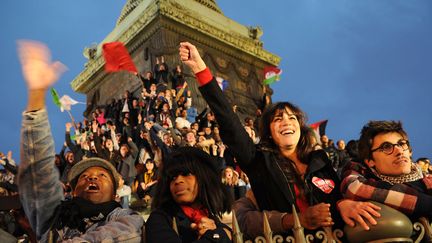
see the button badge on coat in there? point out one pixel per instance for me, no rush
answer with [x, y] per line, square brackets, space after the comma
[325, 185]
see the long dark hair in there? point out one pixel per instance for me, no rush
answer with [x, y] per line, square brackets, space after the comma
[212, 194]
[305, 144]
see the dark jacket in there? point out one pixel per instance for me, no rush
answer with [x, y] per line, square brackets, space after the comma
[267, 180]
[159, 228]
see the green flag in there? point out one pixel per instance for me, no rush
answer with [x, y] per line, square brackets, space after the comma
[55, 97]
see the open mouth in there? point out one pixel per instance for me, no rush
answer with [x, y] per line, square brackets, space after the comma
[92, 187]
[287, 132]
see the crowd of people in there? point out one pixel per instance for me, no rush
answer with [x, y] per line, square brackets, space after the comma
[154, 153]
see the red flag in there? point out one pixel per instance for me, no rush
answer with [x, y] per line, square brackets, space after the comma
[117, 58]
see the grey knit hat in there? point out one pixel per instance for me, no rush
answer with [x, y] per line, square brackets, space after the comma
[84, 164]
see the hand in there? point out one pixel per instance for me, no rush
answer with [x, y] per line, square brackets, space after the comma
[190, 56]
[121, 183]
[68, 126]
[355, 211]
[148, 125]
[38, 71]
[204, 225]
[169, 122]
[222, 146]
[9, 155]
[143, 185]
[316, 216]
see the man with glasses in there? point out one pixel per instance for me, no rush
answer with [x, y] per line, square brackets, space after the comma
[387, 174]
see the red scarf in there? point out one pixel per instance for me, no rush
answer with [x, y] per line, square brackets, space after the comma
[301, 201]
[194, 214]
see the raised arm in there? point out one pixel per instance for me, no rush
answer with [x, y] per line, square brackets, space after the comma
[134, 149]
[39, 184]
[232, 132]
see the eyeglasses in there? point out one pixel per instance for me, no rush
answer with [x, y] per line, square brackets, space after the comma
[388, 148]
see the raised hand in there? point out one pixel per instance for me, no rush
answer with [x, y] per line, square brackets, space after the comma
[190, 56]
[38, 70]
[9, 155]
[139, 118]
[169, 122]
[68, 126]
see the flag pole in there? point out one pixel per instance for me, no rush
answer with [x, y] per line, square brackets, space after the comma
[72, 118]
[141, 98]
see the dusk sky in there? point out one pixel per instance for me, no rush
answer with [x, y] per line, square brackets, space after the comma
[345, 61]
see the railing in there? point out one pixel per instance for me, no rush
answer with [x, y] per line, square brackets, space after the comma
[421, 230]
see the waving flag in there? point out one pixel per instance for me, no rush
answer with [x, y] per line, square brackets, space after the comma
[117, 58]
[66, 103]
[319, 128]
[55, 97]
[223, 84]
[271, 75]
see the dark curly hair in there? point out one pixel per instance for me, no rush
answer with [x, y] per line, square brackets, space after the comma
[374, 128]
[212, 194]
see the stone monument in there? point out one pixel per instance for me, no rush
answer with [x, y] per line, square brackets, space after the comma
[154, 28]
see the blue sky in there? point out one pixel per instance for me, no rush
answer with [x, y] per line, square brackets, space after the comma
[346, 61]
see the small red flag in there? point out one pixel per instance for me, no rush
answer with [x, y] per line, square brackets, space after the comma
[117, 58]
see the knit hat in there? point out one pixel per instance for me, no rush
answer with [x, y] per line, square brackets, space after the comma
[84, 164]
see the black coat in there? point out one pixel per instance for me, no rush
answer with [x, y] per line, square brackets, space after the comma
[268, 182]
[159, 228]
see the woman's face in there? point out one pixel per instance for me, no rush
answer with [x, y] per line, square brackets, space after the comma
[285, 129]
[184, 189]
[228, 173]
[195, 126]
[149, 166]
[108, 144]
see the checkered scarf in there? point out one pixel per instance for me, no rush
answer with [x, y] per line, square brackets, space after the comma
[414, 175]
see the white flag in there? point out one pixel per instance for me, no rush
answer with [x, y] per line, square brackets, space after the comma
[66, 102]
